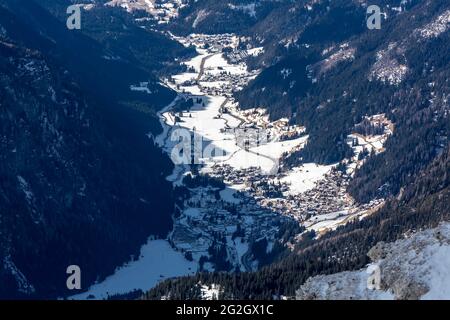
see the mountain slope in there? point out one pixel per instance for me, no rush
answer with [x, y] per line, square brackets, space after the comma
[81, 183]
[412, 268]
[330, 84]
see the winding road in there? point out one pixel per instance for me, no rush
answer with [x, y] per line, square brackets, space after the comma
[202, 67]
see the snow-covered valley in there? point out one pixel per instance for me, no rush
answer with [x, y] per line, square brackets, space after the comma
[215, 228]
[236, 150]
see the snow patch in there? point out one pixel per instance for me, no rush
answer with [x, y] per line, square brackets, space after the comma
[157, 261]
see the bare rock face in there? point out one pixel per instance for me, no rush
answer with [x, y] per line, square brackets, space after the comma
[348, 285]
[414, 268]
[377, 252]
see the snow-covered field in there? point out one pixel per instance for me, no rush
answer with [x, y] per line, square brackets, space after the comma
[216, 64]
[368, 143]
[327, 221]
[157, 261]
[304, 178]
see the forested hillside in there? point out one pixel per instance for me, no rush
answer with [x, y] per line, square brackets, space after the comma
[212, 16]
[83, 171]
[81, 183]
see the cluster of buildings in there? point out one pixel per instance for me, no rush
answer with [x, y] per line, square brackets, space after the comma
[253, 204]
[325, 206]
[229, 82]
[327, 196]
[209, 220]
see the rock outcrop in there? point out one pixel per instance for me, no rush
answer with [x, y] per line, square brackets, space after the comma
[417, 267]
